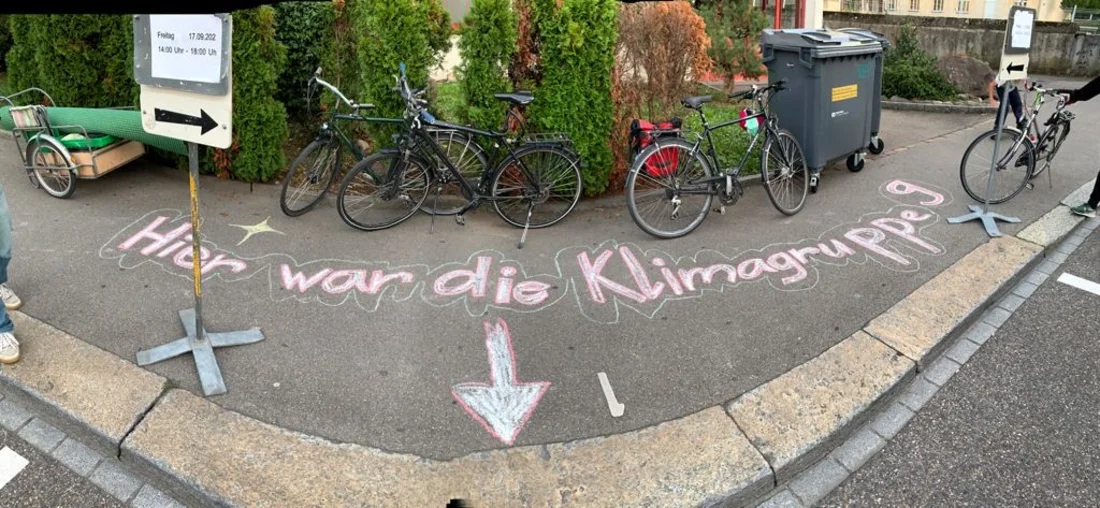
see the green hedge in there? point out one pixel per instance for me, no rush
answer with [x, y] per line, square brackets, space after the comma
[415, 32]
[577, 42]
[5, 40]
[910, 72]
[487, 44]
[339, 63]
[259, 119]
[304, 28]
[80, 60]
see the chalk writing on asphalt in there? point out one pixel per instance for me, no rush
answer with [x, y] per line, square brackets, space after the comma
[601, 281]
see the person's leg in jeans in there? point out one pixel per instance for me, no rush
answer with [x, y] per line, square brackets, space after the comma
[1014, 102]
[9, 347]
[1088, 209]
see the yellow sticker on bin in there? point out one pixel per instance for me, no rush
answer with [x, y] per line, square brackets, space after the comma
[843, 93]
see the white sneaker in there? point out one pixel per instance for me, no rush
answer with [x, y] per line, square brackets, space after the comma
[11, 301]
[9, 348]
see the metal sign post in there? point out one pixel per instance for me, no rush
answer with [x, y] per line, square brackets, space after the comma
[183, 63]
[1014, 62]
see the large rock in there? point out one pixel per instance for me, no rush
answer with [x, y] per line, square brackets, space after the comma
[970, 75]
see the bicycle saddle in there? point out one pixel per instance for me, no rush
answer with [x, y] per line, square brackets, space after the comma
[520, 98]
[696, 102]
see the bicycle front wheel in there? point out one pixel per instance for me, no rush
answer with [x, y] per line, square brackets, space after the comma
[310, 176]
[537, 186]
[1015, 163]
[382, 191]
[469, 159]
[784, 173]
[666, 189]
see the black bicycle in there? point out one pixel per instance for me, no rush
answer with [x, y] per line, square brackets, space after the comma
[535, 185]
[314, 172]
[672, 182]
[1024, 159]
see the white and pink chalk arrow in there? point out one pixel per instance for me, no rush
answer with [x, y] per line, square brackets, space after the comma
[504, 405]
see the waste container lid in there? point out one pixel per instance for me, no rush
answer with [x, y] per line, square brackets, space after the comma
[822, 43]
[865, 33]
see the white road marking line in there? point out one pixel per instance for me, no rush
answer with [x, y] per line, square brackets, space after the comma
[616, 408]
[1079, 283]
[11, 464]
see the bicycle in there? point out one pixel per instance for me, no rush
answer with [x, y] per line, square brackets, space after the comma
[314, 171]
[396, 181]
[1017, 167]
[677, 170]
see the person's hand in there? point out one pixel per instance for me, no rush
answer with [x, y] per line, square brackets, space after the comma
[993, 100]
[1066, 96]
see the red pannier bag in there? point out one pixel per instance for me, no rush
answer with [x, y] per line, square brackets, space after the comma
[644, 133]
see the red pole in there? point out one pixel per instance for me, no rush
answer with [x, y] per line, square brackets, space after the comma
[778, 14]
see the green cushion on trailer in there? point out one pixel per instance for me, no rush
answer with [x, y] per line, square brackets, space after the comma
[76, 141]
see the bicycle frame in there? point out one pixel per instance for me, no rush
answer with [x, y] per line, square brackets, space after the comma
[478, 193]
[1031, 126]
[769, 128]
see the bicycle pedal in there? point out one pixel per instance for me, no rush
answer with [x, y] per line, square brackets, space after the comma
[460, 220]
[1030, 186]
[721, 210]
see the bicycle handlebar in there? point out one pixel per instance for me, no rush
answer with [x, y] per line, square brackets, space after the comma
[755, 90]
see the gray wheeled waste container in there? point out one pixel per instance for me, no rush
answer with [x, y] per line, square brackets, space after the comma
[829, 103]
[876, 146]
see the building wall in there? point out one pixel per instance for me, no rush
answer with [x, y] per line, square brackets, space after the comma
[457, 9]
[1057, 48]
[1048, 10]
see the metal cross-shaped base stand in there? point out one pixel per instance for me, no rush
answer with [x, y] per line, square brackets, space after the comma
[198, 342]
[988, 218]
[210, 376]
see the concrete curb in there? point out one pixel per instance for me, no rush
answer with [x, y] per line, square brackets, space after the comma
[727, 456]
[929, 107]
[86, 391]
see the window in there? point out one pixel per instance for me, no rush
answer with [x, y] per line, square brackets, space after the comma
[891, 5]
[964, 6]
[1020, 3]
[937, 5]
[914, 5]
[852, 5]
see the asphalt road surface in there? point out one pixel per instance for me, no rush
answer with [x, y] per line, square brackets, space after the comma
[406, 341]
[32, 479]
[1018, 425]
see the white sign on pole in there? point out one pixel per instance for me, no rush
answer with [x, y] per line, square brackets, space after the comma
[186, 48]
[1015, 54]
[184, 66]
[203, 119]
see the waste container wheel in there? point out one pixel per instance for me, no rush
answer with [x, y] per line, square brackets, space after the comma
[852, 166]
[877, 146]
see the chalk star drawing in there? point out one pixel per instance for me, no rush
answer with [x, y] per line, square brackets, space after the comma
[256, 229]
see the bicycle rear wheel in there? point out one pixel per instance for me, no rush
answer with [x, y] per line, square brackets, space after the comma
[542, 180]
[310, 176]
[382, 191]
[468, 158]
[1013, 170]
[784, 173]
[661, 190]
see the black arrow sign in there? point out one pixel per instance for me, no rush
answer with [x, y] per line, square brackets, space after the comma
[204, 121]
[1014, 68]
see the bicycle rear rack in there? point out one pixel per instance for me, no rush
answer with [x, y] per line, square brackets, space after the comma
[548, 137]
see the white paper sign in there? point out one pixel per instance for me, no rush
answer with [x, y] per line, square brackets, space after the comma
[186, 47]
[1021, 29]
